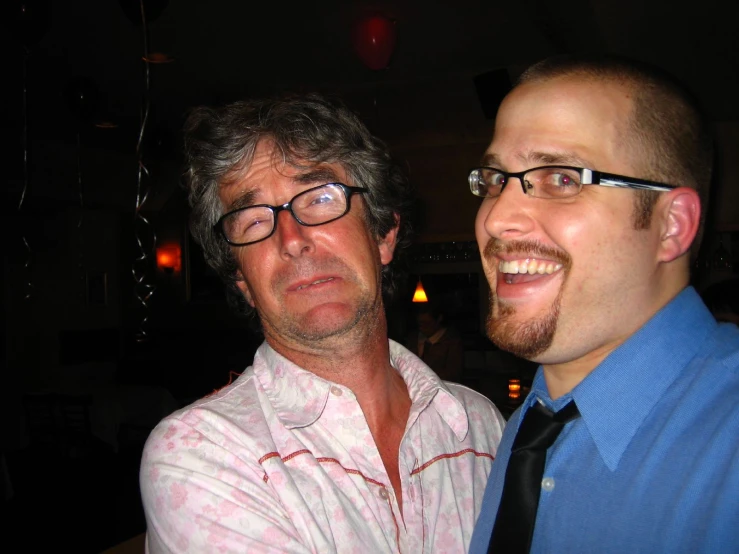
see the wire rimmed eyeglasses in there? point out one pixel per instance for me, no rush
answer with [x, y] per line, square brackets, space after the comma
[553, 181]
[315, 206]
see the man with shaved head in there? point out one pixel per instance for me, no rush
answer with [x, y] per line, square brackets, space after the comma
[592, 192]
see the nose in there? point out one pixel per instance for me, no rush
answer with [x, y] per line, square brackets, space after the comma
[508, 216]
[293, 238]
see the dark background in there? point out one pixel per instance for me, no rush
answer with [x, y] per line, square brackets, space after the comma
[79, 238]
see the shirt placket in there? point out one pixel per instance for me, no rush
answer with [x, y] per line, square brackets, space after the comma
[415, 529]
[376, 478]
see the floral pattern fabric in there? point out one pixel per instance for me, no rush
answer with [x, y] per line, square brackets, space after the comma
[284, 461]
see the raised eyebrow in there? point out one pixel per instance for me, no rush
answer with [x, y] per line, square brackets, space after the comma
[317, 176]
[556, 158]
[490, 160]
[243, 200]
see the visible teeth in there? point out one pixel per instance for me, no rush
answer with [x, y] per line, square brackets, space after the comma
[528, 266]
[316, 283]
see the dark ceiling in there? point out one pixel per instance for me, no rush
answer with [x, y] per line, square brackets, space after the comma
[426, 97]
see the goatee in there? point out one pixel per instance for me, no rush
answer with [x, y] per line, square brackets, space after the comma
[530, 338]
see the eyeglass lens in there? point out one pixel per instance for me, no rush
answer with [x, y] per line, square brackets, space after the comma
[545, 182]
[315, 206]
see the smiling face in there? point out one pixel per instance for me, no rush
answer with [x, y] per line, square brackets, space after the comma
[570, 278]
[308, 284]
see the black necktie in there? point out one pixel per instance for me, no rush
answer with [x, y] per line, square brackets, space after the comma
[514, 524]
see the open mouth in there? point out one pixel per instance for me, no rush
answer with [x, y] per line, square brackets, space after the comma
[526, 270]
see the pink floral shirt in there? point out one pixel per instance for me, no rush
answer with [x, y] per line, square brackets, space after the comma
[283, 461]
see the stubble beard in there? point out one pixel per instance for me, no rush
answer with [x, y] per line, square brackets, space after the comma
[310, 330]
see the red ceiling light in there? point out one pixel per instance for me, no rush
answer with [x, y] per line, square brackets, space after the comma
[374, 41]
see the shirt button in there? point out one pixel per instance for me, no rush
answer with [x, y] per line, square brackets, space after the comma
[547, 484]
[336, 391]
[384, 494]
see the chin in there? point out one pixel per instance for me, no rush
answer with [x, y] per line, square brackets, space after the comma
[527, 338]
[332, 320]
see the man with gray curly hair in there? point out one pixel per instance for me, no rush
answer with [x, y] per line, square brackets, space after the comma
[336, 439]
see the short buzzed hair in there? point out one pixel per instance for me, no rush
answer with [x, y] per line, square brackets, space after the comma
[667, 129]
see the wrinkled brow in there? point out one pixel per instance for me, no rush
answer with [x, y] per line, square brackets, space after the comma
[244, 199]
[315, 177]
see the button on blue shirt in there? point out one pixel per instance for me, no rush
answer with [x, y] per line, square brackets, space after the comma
[652, 465]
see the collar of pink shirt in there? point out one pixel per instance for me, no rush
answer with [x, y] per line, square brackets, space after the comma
[299, 396]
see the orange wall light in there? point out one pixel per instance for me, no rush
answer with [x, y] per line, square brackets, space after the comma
[169, 258]
[514, 388]
[420, 294]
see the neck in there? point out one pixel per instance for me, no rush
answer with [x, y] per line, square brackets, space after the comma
[359, 361]
[363, 365]
[562, 377]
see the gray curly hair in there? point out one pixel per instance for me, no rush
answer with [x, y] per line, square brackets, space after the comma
[307, 129]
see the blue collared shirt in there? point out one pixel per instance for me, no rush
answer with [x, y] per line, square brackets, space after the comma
[653, 463]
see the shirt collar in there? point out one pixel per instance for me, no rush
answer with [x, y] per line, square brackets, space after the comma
[616, 397]
[299, 396]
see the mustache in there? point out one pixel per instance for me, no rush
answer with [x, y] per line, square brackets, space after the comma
[527, 248]
[307, 268]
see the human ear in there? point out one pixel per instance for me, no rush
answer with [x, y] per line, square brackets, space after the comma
[243, 287]
[681, 209]
[387, 243]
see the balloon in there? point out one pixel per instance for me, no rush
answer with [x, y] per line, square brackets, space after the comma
[374, 41]
[82, 97]
[27, 21]
[152, 8]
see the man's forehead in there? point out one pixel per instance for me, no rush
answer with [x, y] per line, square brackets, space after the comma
[560, 121]
[597, 98]
[268, 157]
[254, 180]
[269, 164]
[531, 158]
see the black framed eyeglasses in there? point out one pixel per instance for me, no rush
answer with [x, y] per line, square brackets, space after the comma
[312, 207]
[553, 181]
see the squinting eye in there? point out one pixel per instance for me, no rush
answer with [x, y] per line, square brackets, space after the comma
[254, 222]
[323, 199]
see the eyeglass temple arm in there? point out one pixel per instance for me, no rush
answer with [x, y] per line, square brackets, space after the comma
[590, 177]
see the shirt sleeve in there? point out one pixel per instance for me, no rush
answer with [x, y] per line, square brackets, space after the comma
[199, 497]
